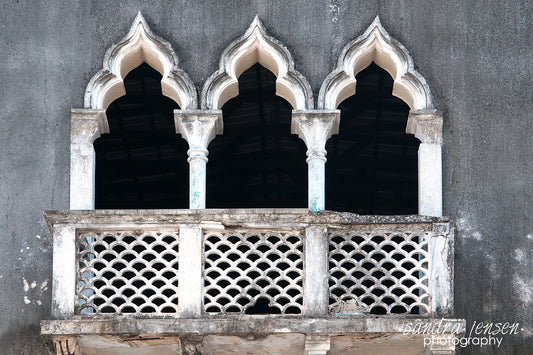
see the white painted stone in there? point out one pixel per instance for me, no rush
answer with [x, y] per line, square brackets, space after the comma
[316, 288]
[256, 46]
[85, 126]
[375, 45]
[429, 180]
[315, 128]
[64, 271]
[138, 46]
[198, 128]
[190, 297]
[317, 344]
[441, 251]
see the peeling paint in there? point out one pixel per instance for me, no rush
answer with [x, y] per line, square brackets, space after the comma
[466, 231]
[34, 291]
[519, 255]
[524, 289]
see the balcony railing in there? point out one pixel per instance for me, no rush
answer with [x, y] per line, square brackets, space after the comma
[226, 263]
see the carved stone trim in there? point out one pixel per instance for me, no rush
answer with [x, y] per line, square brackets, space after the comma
[256, 46]
[138, 46]
[425, 125]
[315, 127]
[375, 45]
[198, 128]
[86, 126]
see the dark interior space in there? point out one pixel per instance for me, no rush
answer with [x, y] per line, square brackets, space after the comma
[257, 162]
[142, 162]
[372, 165]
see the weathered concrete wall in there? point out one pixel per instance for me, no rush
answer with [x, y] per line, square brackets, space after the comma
[476, 57]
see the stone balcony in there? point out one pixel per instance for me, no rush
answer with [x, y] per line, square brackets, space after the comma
[258, 281]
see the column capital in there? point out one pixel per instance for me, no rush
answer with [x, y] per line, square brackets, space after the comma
[86, 125]
[315, 127]
[198, 127]
[426, 125]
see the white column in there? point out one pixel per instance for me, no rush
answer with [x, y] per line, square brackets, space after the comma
[86, 126]
[198, 128]
[430, 179]
[64, 271]
[315, 128]
[427, 127]
[190, 273]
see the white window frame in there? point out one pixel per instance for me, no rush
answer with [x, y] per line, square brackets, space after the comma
[424, 121]
[87, 124]
[314, 126]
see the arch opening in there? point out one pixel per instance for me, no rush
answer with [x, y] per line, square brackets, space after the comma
[372, 163]
[141, 163]
[257, 162]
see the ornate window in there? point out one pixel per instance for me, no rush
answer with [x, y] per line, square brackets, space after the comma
[213, 268]
[139, 46]
[256, 47]
[424, 121]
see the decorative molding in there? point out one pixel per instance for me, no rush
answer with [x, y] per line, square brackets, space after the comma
[256, 46]
[198, 128]
[138, 46]
[86, 125]
[425, 125]
[315, 127]
[425, 122]
[375, 45]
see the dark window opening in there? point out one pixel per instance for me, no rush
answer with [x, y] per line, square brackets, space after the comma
[142, 162]
[372, 165]
[257, 162]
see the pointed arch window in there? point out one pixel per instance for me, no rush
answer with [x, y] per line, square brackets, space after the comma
[141, 163]
[257, 162]
[143, 50]
[375, 45]
[313, 126]
[372, 162]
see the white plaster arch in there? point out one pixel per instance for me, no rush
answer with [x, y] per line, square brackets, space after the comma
[424, 121]
[138, 46]
[375, 45]
[256, 46]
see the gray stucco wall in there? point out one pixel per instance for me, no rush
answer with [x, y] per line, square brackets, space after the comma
[476, 56]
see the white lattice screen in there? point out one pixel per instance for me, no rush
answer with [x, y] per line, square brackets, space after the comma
[383, 272]
[253, 272]
[127, 272]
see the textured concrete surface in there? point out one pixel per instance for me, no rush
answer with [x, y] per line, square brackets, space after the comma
[476, 57]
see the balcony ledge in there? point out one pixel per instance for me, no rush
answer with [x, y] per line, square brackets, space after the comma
[245, 334]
